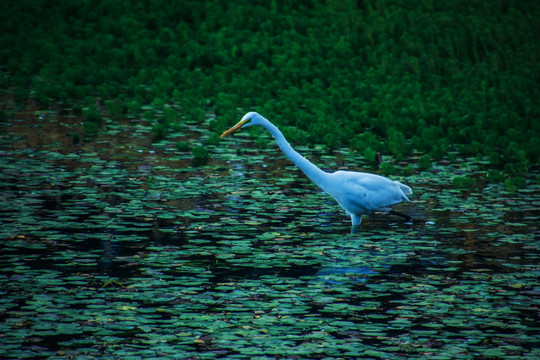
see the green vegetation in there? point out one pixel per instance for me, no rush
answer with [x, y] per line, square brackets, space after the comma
[391, 77]
[200, 156]
[182, 146]
[464, 182]
[91, 124]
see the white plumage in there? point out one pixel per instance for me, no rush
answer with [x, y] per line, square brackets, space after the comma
[357, 192]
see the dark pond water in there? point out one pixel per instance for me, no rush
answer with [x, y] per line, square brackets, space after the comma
[121, 248]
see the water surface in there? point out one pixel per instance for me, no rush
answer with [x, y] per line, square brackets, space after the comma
[117, 247]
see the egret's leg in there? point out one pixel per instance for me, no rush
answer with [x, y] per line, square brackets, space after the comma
[407, 217]
[356, 220]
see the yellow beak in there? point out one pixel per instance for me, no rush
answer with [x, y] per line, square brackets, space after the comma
[234, 128]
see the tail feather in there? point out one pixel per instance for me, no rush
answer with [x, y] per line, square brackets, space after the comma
[404, 189]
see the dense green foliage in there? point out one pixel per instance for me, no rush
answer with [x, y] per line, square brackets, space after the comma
[388, 76]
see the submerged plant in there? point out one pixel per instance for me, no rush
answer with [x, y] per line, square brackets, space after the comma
[159, 132]
[75, 138]
[200, 156]
[424, 163]
[92, 115]
[170, 115]
[515, 183]
[182, 146]
[91, 130]
[117, 109]
[464, 182]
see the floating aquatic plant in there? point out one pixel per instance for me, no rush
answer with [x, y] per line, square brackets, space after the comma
[137, 256]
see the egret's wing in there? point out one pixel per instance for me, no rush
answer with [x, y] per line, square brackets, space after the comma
[364, 192]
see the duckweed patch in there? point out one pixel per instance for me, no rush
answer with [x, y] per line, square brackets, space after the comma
[122, 248]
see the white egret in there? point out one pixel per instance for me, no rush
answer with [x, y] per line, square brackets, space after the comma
[357, 192]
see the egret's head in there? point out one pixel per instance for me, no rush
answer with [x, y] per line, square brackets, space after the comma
[250, 119]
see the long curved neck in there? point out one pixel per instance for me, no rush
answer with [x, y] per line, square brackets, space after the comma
[315, 174]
